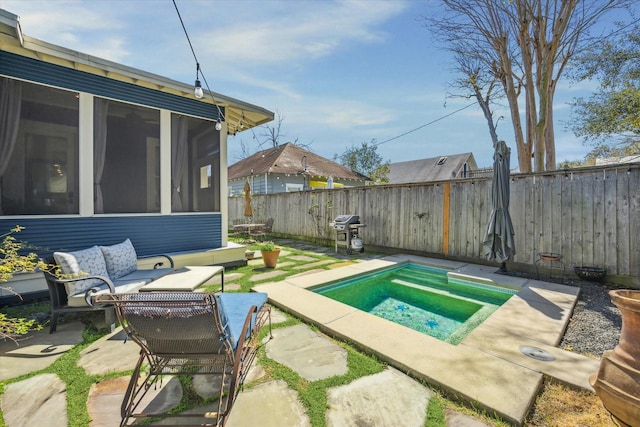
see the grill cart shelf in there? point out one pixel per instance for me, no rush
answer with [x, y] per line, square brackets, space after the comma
[348, 230]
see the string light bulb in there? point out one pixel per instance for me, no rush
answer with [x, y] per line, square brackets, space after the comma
[197, 90]
[218, 125]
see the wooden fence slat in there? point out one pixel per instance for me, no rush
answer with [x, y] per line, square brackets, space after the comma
[634, 224]
[611, 220]
[623, 240]
[553, 202]
[591, 216]
[566, 202]
[576, 221]
[599, 224]
[588, 220]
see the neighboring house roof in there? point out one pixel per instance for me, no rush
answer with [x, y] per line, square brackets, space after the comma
[433, 169]
[291, 159]
[239, 115]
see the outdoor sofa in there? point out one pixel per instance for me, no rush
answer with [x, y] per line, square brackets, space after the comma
[78, 276]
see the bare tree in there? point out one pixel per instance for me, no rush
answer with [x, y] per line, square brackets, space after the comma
[479, 83]
[525, 45]
[270, 135]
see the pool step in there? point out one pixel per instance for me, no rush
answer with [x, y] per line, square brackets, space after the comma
[465, 278]
[426, 277]
[433, 290]
[468, 291]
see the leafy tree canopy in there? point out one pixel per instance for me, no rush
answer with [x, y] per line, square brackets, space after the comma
[365, 159]
[523, 46]
[610, 119]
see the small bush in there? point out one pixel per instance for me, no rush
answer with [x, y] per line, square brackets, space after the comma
[267, 247]
[11, 262]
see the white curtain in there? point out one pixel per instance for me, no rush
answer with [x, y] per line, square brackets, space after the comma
[10, 106]
[179, 133]
[100, 113]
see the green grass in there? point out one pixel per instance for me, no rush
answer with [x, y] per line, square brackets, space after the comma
[293, 267]
[312, 394]
[76, 379]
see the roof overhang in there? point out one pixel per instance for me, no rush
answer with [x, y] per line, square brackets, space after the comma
[239, 115]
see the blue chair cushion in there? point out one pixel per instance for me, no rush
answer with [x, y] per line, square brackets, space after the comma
[233, 311]
[121, 259]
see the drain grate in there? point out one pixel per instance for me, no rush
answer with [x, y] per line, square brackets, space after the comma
[537, 353]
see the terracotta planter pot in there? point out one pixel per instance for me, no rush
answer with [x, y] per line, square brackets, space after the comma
[270, 258]
[628, 349]
[617, 383]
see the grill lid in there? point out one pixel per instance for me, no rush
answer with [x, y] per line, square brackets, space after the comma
[347, 219]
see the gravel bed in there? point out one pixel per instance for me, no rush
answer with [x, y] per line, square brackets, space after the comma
[595, 324]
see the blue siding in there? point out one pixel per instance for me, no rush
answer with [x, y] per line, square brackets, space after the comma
[149, 234]
[68, 78]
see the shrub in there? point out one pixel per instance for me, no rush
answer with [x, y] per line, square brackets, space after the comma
[267, 247]
[12, 262]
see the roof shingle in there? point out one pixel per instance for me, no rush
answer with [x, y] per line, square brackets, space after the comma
[290, 159]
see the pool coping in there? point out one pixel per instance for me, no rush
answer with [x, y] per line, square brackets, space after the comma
[489, 370]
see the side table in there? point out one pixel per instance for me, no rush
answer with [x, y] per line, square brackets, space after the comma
[550, 258]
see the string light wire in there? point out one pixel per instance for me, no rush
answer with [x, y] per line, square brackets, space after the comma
[184, 28]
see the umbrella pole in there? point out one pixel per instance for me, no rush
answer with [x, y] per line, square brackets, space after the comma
[503, 267]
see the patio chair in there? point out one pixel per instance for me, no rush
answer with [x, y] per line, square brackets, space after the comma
[189, 334]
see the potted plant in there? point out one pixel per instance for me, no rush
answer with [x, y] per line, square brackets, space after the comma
[270, 254]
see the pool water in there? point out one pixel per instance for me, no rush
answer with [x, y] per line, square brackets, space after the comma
[422, 298]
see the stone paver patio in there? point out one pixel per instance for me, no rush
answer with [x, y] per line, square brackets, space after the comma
[389, 398]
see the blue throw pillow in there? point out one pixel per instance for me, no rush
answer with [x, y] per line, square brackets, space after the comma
[85, 262]
[121, 259]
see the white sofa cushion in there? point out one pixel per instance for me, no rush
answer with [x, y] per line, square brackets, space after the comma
[132, 286]
[85, 262]
[121, 259]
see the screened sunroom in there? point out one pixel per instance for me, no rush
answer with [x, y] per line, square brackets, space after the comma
[94, 152]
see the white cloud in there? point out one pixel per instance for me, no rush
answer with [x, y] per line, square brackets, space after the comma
[309, 31]
[75, 25]
[339, 114]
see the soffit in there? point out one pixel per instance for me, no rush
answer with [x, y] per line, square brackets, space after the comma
[240, 115]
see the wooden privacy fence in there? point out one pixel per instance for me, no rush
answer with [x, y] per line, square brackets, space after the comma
[591, 216]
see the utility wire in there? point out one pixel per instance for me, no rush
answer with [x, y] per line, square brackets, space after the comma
[426, 124]
[198, 69]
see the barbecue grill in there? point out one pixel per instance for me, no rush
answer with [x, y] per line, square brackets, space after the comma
[347, 228]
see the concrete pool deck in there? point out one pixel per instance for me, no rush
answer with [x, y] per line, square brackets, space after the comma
[487, 368]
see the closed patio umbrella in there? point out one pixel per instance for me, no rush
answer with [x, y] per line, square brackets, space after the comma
[248, 208]
[498, 242]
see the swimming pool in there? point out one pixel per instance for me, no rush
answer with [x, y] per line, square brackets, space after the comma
[422, 298]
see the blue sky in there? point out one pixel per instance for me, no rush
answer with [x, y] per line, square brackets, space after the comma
[339, 73]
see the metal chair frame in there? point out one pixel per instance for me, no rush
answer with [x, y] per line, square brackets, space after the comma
[185, 334]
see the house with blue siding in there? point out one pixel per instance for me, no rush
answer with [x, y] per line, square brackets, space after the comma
[93, 152]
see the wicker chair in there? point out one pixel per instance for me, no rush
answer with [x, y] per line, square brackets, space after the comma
[189, 334]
